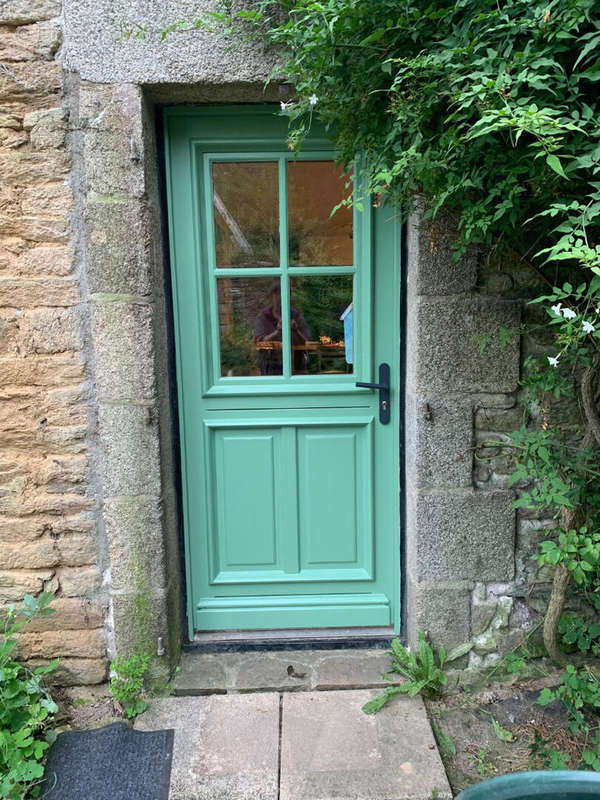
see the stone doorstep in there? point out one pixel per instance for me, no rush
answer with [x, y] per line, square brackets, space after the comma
[283, 671]
[299, 746]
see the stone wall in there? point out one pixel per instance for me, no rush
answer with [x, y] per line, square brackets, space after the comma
[502, 612]
[456, 533]
[470, 571]
[48, 504]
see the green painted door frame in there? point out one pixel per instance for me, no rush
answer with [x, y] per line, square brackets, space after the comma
[290, 482]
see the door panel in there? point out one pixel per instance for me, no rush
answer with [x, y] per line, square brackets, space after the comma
[335, 511]
[245, 499]
[290, 482]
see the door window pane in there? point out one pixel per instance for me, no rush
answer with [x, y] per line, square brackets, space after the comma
[315, 237]
[250, 326]
[245, 204]
[321, 310]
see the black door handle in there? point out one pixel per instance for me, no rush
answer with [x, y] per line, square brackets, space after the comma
[384, 392]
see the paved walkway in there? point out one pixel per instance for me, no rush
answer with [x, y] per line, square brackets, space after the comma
[313, 743]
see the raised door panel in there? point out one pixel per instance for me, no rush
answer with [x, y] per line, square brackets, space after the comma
[245, 499]
[335, 500]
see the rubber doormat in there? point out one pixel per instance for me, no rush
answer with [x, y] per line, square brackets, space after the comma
[111, 763]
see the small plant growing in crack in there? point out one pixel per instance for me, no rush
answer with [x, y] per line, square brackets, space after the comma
[423, 669]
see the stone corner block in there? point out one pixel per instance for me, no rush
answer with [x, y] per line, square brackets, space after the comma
[461, 535]
[139, 620]
[445, 352]
[129, 457]
[443, 610]
[439, 437]
[123, 351]
[134, 533]
[431, 268]
[118, 246]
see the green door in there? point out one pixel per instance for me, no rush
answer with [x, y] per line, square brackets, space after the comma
[290, 478]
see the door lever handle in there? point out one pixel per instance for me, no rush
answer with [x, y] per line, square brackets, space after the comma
[378, 386]
[383, 387]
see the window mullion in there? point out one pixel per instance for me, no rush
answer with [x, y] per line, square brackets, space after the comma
[284, 262]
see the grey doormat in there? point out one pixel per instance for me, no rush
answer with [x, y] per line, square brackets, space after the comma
[111, 763]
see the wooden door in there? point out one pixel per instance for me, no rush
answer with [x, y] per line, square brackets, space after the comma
[290, 478]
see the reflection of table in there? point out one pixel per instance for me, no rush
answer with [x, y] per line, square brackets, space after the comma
[268, 345]
[326, 353]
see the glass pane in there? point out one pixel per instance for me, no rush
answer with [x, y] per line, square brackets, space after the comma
[315, 237]
[250, 326]
[322, 324]
[245, 200]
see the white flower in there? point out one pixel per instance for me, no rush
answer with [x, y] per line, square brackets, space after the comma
[568, 313]
[313, 99]
[552, 361]
[283, 106]
[587, 326]
[556, 308]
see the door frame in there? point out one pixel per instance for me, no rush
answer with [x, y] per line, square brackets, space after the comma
[390, 244]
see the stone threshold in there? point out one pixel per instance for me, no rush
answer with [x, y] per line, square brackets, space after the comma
[290, 670]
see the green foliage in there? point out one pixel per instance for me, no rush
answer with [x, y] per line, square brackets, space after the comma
[516, 661]
[445, 742]
[490, 110]
[482, 762]
[484, 107]
[579, 551]
[579, 692]
[547, 757]
[26, 707]
[423, 669]
[127, 683]
[578, 632]
[501, 733]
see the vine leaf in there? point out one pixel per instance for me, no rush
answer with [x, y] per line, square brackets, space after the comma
[554, 163]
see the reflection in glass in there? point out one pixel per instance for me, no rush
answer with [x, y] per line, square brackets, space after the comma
[250, 326]
[318, 346]
[316, 238]
[245, 201]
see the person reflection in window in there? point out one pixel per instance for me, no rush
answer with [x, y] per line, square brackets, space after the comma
[267, 328]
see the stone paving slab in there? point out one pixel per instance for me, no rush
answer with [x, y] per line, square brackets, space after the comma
[299, 746]
[331, 749]
[226, 747]
[282, 671]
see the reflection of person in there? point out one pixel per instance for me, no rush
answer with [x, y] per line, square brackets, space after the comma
[267, 328]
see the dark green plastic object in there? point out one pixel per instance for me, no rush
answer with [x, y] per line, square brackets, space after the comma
[551, 785]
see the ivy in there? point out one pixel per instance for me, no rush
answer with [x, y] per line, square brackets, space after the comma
[26, 707]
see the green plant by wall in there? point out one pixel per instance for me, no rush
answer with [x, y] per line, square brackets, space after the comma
[127, 683]
[422, 668]
[26, 707]
[579, 692]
